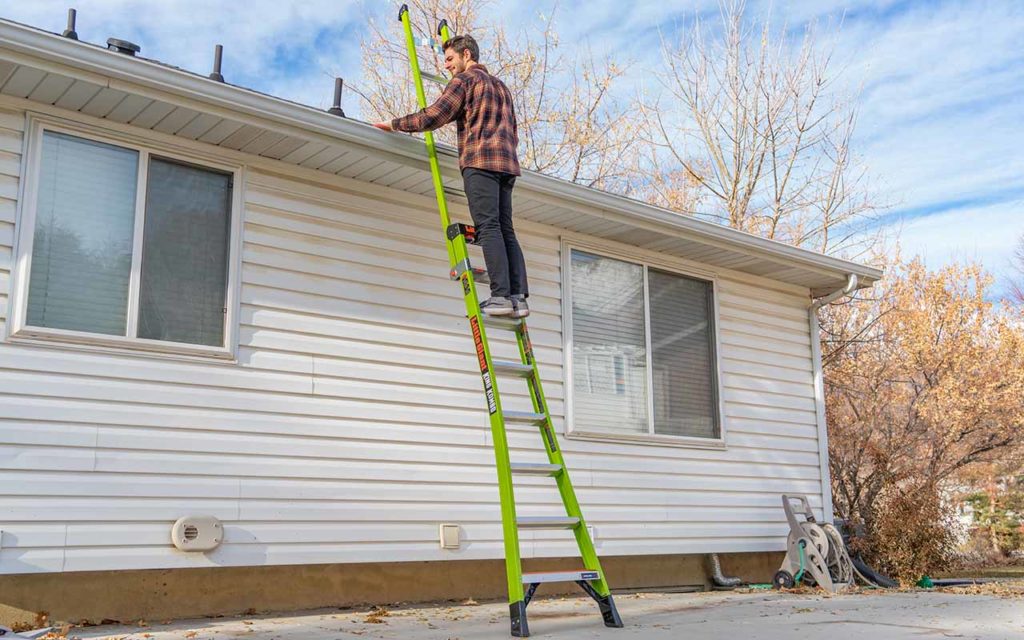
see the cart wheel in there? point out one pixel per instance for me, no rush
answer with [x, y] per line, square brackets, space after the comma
[783, 580]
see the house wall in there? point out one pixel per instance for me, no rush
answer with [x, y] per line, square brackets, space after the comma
[353, 421]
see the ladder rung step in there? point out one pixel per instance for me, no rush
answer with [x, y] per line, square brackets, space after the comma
[500, 322]
[561, 576]
[547, 522]
[510, 368]
[536, 469]
[524, 417]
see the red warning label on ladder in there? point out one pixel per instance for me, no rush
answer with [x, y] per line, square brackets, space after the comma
[485, 373]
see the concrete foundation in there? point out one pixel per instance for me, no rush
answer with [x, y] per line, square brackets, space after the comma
[168, 594]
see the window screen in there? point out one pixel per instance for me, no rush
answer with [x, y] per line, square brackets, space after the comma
[682, 355]
[185, 254]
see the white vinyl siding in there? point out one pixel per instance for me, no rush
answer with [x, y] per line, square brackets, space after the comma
[354, 421]
[11, 125]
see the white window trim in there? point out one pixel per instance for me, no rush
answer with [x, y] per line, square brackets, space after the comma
[645, 260]
[18, 331]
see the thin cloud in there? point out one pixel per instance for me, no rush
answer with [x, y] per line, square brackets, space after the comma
[282, 48]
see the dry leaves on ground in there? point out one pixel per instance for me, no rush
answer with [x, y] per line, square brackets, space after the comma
[377, 615]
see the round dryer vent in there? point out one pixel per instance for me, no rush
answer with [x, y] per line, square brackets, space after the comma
[197, 533]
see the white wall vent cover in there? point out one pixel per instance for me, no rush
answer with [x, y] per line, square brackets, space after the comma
[197, 533]
[450, 538]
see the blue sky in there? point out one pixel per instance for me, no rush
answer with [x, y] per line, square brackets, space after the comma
[941, 124]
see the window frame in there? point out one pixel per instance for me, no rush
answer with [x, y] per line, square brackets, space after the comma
[646, 260]
[17, 328]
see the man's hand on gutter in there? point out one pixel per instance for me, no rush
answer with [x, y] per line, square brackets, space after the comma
[383, 126]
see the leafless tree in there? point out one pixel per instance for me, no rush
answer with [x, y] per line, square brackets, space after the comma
[1017, 279]
[570, 124]
[748, 129]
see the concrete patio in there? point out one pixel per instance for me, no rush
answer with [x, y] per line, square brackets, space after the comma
[983, 613]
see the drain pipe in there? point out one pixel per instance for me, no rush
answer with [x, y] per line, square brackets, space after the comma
[819, 391]
[721, 581]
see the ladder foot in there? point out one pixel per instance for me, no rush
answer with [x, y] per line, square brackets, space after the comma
[517, 613]
[609, 612]
[604, 603]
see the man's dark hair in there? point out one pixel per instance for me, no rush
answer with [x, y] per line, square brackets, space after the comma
[463, 43]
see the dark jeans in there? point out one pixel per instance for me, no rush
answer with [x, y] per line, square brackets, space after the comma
[490, 203]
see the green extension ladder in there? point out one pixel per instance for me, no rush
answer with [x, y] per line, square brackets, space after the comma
[458, 236]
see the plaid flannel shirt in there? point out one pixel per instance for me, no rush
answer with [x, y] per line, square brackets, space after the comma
[481, 105]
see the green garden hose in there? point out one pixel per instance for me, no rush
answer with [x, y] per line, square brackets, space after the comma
[800, 573]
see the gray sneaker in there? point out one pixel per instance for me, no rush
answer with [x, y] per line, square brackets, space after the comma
[494, 306]
[519, 307]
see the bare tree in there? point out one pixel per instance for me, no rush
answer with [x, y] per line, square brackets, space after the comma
[924, 382]
[1017, 279]
[570, 125]
[748, 130]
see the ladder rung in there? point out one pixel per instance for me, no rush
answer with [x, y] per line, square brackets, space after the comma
[510, 368]
[441, 80]
[561, 576]
[502, 322]
[536, 469]
[430, 43]
[527, 417]
[547, 522]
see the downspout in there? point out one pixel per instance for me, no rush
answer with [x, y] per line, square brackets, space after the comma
[720, 580]
[819, 391]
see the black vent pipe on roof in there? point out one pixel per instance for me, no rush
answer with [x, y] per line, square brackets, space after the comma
[218, 53]
[70, 31]
[123, 46]
[336, 109]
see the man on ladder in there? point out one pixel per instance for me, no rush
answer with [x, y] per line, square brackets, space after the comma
[487, 155]
[481, 105]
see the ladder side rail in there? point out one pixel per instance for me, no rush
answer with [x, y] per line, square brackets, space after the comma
[421, 100]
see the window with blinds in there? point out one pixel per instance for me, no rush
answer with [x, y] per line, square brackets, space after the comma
[609, 345]
[184, 254]
[95, 270]
[82, 245]
[643, 350]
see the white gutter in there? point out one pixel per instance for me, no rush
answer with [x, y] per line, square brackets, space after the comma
[819, 391]
[145, 77]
